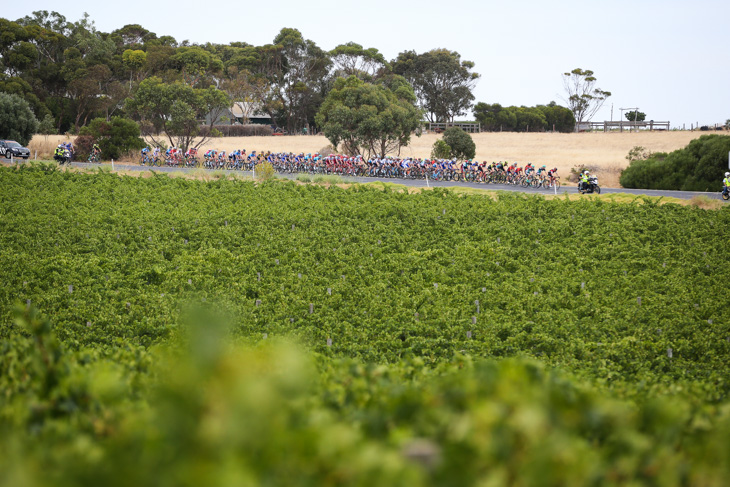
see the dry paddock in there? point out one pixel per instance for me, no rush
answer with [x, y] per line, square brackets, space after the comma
[605, 153]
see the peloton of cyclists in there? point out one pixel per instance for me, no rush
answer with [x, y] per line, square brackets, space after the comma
[376, 165]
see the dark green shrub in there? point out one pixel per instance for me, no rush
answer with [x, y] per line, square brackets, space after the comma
[115, 137]
[461, 143]
[698, 167]
[83, 145]
[17, 121]
[440, 150]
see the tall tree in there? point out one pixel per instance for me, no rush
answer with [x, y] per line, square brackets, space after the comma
[174, 110]
[50, 32]
[134, 60]
[583, 99]
[245, 90]
[17, 53]
[94, 47]
[298, 71]
[86, 92]
[352, 59]
[367, 118]
[442, 81]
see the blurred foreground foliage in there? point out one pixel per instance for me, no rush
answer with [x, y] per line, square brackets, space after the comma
[209, 412]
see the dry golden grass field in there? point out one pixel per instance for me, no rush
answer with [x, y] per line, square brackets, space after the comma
[604, 153]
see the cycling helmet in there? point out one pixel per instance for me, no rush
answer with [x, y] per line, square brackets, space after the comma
[585, 172]
[543, 167]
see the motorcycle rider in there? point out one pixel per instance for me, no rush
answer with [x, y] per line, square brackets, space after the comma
[60, 153]
[726, 183]
[583, 184]
[70, 151]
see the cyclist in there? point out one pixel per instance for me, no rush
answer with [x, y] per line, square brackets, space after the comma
[512, 173]
[222, 159]
[209, 157]
[95, 153]
[144, 154]
[552, 174]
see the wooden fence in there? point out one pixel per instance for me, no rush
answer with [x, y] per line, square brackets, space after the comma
[622, 125]
[465, 126]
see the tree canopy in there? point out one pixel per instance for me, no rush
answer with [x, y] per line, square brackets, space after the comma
[541, 118]
[635, 116]
[583, 97]
[352, 59]
[76, 73]
[174, 109]
[369, 119]
[442, 81]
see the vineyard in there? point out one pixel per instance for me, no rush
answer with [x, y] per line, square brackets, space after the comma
[177, 332]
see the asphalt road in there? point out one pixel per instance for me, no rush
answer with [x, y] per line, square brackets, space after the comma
[419, 183]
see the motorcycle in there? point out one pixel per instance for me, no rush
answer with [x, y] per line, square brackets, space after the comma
[63, 159]
[590, 187]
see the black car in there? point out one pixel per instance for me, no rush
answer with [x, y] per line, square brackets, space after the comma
[10, 147]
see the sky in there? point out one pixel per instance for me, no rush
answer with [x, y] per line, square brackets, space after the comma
[670, 59]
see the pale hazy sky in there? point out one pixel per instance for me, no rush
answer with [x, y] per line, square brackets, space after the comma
[669, 58]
